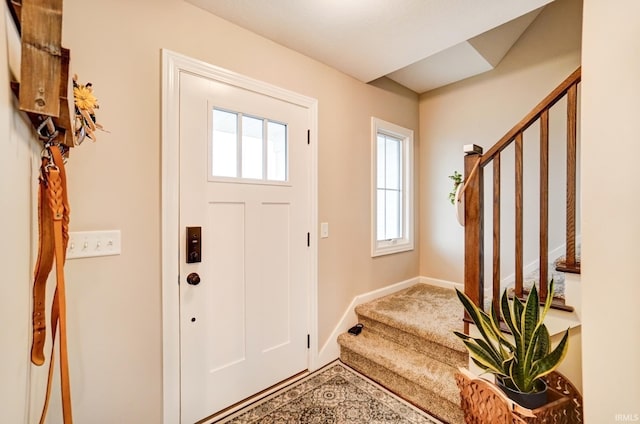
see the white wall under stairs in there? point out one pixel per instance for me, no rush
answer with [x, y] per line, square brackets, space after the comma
[558, 321]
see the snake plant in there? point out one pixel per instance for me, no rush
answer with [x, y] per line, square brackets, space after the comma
[522, 361]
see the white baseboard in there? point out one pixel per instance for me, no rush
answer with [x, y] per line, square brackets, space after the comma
[330, 351]
[442, 283]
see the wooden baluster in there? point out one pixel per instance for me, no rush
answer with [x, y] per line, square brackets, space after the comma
[544, 204]
[474, 209]
[496, 232]
[572, 106]
[519, 215]
[570, 264]
[473, 230]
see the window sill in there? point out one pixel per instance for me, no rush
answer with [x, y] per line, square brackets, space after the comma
[389, 249]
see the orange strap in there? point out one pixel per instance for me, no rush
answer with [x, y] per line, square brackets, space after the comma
[43, 268]
[53, 229]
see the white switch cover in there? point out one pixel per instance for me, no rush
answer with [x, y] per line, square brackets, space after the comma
[324, 229]
[89, 244]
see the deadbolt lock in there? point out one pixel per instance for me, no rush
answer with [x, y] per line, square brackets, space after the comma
[194, 245]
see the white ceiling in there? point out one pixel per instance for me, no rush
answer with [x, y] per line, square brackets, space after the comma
[421, 44]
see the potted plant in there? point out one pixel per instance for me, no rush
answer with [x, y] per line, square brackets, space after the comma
[519, 365]
[455, 196]
[456, 177]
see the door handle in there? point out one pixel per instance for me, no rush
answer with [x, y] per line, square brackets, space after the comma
[193, 279]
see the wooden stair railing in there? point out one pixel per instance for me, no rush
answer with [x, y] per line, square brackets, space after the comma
[474, 164]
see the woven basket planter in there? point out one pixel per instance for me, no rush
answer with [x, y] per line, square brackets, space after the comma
[483, 402]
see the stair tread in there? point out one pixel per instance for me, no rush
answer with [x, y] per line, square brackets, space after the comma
[426, 311]
[418, 368]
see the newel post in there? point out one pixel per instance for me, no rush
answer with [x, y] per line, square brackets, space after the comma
[473, 227]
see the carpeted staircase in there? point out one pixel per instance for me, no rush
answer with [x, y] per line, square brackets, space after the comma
[407, 345]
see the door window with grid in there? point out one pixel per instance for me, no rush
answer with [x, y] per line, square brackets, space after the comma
[247, 147]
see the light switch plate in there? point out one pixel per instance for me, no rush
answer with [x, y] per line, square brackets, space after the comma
[324, 230]
[89, 244]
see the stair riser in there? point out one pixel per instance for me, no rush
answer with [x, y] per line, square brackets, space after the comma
[420, 396]
[434, 350]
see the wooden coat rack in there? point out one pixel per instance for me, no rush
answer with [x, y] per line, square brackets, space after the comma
[43, 90]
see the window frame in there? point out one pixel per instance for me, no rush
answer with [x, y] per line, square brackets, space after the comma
[406, 242]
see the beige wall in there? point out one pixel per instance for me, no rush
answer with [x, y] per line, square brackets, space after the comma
[115, 312]
[480, 110]
[114, 302]
[15, 255]
[610, 231]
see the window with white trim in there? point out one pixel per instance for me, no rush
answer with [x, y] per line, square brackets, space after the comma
[392, 188]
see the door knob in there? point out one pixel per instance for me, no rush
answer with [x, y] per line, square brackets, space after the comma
[193, 279]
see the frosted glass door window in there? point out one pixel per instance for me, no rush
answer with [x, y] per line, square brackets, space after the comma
[224, 145]
[248, 147]
[252, 136]
[276, 151]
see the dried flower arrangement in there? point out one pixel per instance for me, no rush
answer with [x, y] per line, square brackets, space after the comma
[85, 104]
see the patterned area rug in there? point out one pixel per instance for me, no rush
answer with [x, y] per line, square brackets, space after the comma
[332, 395]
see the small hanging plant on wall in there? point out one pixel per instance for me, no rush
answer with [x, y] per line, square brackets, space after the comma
[455, 196]
[85, 104]
[457, 180]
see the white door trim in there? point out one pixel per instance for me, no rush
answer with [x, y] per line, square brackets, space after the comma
[172, 65]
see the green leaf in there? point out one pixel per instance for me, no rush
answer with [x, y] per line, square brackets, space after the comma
[517, 312]
[495, 319]
[495, 324]
[517, 376]
[530, 316]
[462, 335]
[484, 368]
[548, 300]
[497, 356]
[481, 365]
[543, 345]
[480, 318]
[506, 313]
[530, 334]
[540, 340]
[482, 356]
[528, 359]
[551, 361]
[481, 343]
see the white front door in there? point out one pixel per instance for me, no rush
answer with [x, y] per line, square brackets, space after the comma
[245, 180]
